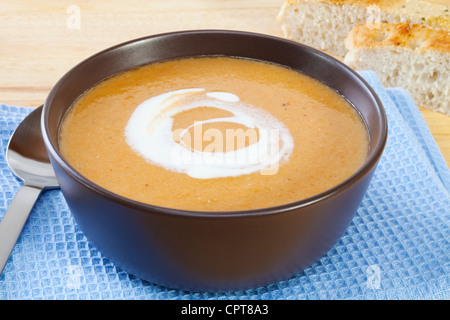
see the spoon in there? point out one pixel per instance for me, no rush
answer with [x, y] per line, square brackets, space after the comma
[28, 160]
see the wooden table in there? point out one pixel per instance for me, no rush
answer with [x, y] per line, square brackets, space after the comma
[41, 40]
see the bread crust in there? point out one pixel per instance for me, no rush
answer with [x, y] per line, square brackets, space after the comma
[432, 14]
[381, 3]
[405, 35]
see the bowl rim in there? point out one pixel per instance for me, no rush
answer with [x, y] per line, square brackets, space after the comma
[365, 168]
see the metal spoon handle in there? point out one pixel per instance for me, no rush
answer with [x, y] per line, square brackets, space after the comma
[14, 219]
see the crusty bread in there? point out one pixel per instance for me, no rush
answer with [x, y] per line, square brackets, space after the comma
[414, 57]
[324, 24]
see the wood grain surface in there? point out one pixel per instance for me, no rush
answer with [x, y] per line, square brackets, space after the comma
[42, 40]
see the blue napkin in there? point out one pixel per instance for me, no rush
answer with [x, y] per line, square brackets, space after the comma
[396, 247]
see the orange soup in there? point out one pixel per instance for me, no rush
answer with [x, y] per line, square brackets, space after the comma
[214, 134]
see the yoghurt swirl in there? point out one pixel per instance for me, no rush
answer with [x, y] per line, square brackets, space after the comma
[149, 133]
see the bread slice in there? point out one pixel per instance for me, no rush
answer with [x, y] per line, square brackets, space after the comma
[324, 24]
[414, 57]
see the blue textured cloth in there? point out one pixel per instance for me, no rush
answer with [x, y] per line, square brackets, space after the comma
[396, 247]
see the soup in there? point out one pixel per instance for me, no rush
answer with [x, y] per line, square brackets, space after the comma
[214, 134]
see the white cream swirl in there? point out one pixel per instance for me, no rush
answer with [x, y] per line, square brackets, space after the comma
[149, 133]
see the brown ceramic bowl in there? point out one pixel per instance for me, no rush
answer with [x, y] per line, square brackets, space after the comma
[212, 251]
